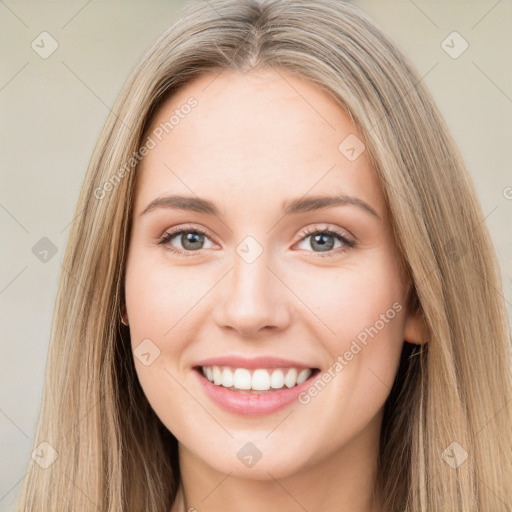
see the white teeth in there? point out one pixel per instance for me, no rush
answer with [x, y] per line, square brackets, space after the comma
[277, 379]
[217, 376]
[291, 378]
[260, 379]
[227, 378]
[242, 379]
[303, 375]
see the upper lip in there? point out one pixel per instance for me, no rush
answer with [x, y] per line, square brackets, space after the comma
[253, 362]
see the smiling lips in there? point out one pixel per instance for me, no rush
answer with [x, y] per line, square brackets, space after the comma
[254, 386]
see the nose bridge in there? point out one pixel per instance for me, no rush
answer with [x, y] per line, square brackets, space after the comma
[250, 276]
[252, 298]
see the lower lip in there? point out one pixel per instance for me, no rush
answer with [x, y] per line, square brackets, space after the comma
[254, 404]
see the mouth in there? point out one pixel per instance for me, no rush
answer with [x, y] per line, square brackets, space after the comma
[263, 390]
[254, 381]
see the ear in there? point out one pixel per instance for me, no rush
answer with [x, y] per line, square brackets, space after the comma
[416, 330]
[124, 315]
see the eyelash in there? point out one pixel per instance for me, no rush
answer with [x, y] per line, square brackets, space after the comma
[348, 243]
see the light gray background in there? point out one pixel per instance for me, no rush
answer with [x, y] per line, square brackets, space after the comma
[52, 111]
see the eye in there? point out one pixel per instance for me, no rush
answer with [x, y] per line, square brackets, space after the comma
[189, 240]
[325, 240]
[192, 240]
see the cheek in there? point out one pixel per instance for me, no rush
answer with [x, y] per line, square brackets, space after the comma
[352, 301]
[160, 302]
[160, 298]
[364, 313]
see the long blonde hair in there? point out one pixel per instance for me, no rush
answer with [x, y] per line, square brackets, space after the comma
[446, 442]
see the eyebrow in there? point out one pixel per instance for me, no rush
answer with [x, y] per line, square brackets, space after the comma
[301, 205]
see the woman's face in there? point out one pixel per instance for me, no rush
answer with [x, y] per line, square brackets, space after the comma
[270, 274]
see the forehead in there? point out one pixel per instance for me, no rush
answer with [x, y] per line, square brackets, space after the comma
[261, 137]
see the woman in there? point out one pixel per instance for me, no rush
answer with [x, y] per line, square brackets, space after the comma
[280, 293]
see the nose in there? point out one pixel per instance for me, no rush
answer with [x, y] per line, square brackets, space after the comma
[253, 299]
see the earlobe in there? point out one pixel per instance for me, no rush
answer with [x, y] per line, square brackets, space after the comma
[416, 330]
[124, 316]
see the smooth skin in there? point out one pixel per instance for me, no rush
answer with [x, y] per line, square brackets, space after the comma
[254, 141]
